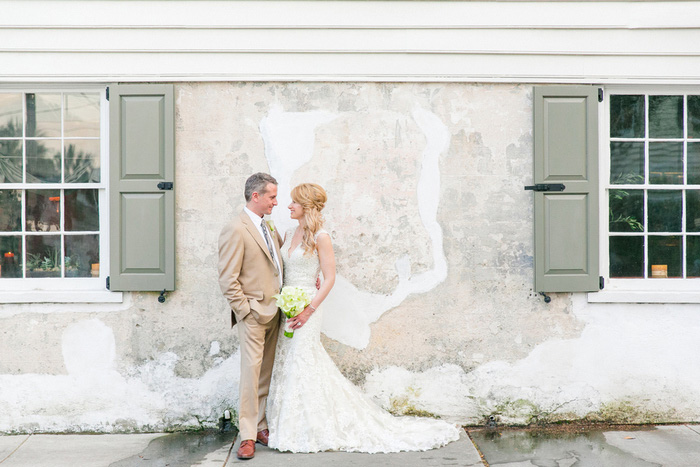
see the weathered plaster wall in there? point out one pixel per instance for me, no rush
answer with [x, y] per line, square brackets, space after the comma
[433, 309]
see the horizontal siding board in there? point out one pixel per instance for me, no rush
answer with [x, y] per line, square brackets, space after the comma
[136, 67]
[329, 14]
[409, 41]
[529, 42]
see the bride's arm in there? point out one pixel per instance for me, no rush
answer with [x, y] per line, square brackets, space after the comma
[327, 260]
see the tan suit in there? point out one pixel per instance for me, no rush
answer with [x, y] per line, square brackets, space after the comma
[248, 279]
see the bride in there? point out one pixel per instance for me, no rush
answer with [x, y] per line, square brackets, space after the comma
[311, 406]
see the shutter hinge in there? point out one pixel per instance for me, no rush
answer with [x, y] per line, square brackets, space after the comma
[601, 282]
[107, 282]
[600, 94]
[107, 92]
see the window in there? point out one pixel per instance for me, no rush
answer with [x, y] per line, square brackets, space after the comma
[70, 228]
[617, 203]
[653, 189]
[53, 190]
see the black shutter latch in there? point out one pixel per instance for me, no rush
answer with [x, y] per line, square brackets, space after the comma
[546, 187]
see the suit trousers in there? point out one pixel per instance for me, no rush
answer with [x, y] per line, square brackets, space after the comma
[257, 343]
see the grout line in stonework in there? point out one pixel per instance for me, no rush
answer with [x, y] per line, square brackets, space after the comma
[693, 429]
[17, 448]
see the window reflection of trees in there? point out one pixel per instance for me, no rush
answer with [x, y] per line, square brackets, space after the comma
[79, 165]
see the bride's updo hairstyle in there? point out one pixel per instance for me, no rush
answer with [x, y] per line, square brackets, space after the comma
[312, 198]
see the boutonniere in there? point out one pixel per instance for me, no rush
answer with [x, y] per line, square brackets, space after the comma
[271, 225]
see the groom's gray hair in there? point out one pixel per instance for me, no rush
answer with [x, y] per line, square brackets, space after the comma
[257, 183]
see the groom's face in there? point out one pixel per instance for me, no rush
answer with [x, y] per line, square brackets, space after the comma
[267, 200]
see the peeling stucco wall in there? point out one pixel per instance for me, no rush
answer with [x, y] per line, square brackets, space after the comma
[433, 308]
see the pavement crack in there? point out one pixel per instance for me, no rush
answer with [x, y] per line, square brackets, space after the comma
[17, 448]
[481, 454]
[228, 456]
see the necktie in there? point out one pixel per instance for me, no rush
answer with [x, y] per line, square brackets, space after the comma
[269, 243]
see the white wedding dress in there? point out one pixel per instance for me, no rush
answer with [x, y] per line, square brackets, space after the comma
[312, 407]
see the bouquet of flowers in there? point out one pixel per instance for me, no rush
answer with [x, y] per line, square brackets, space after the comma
[292, 301]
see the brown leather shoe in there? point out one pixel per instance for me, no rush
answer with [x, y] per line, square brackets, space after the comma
[246, 450]
[263, 437]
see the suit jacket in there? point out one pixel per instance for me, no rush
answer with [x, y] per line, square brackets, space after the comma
[248, 276]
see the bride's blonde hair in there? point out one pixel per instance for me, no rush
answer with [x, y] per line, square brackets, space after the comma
[312, 199]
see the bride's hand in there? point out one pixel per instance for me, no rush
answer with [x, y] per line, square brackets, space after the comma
[301, 319]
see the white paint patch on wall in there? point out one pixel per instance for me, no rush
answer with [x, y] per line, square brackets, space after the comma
[95, 397]
[638, 354]
[289, 144]
[88, 347]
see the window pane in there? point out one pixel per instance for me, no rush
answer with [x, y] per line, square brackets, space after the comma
[11, 256]
[44, 161]
[10, 115]
[82, 210]
[82, 161]
[664, 210]
[10, 210]
[666, 163]
[43, 115]
[693, 116]
[693, 163]
[627, 257]
[43, 256]
[626, 163]
[692, 256]
[665, 116]
[43, 210]
[665, 251]
[82, 114]
[627, 116]
[626, 210]
[82, 255]
[11, 161]
[692, 211]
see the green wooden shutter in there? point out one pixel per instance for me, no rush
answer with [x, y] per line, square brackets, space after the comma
[566, 222]
[142, 215]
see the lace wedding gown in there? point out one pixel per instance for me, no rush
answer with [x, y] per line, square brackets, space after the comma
[312, 407]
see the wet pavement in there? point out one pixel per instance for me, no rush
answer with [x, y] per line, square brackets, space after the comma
[668, 446]
[665, 446]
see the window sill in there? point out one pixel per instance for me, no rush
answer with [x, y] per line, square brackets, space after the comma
[639, 296]
[62, 296]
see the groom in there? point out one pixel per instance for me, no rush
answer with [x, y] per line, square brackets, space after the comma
[250, 273]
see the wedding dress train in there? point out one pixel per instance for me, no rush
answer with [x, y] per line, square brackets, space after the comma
[312, 407]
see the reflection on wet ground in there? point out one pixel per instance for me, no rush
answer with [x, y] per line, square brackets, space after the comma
[553, 448]
[180, 450]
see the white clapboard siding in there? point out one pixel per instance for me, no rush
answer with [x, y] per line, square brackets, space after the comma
[601, 42]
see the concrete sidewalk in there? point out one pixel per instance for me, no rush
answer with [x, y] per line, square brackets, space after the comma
[667, 446]
[200, 449]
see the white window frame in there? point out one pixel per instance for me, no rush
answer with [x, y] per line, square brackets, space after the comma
[69, 290]
[648, 290]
